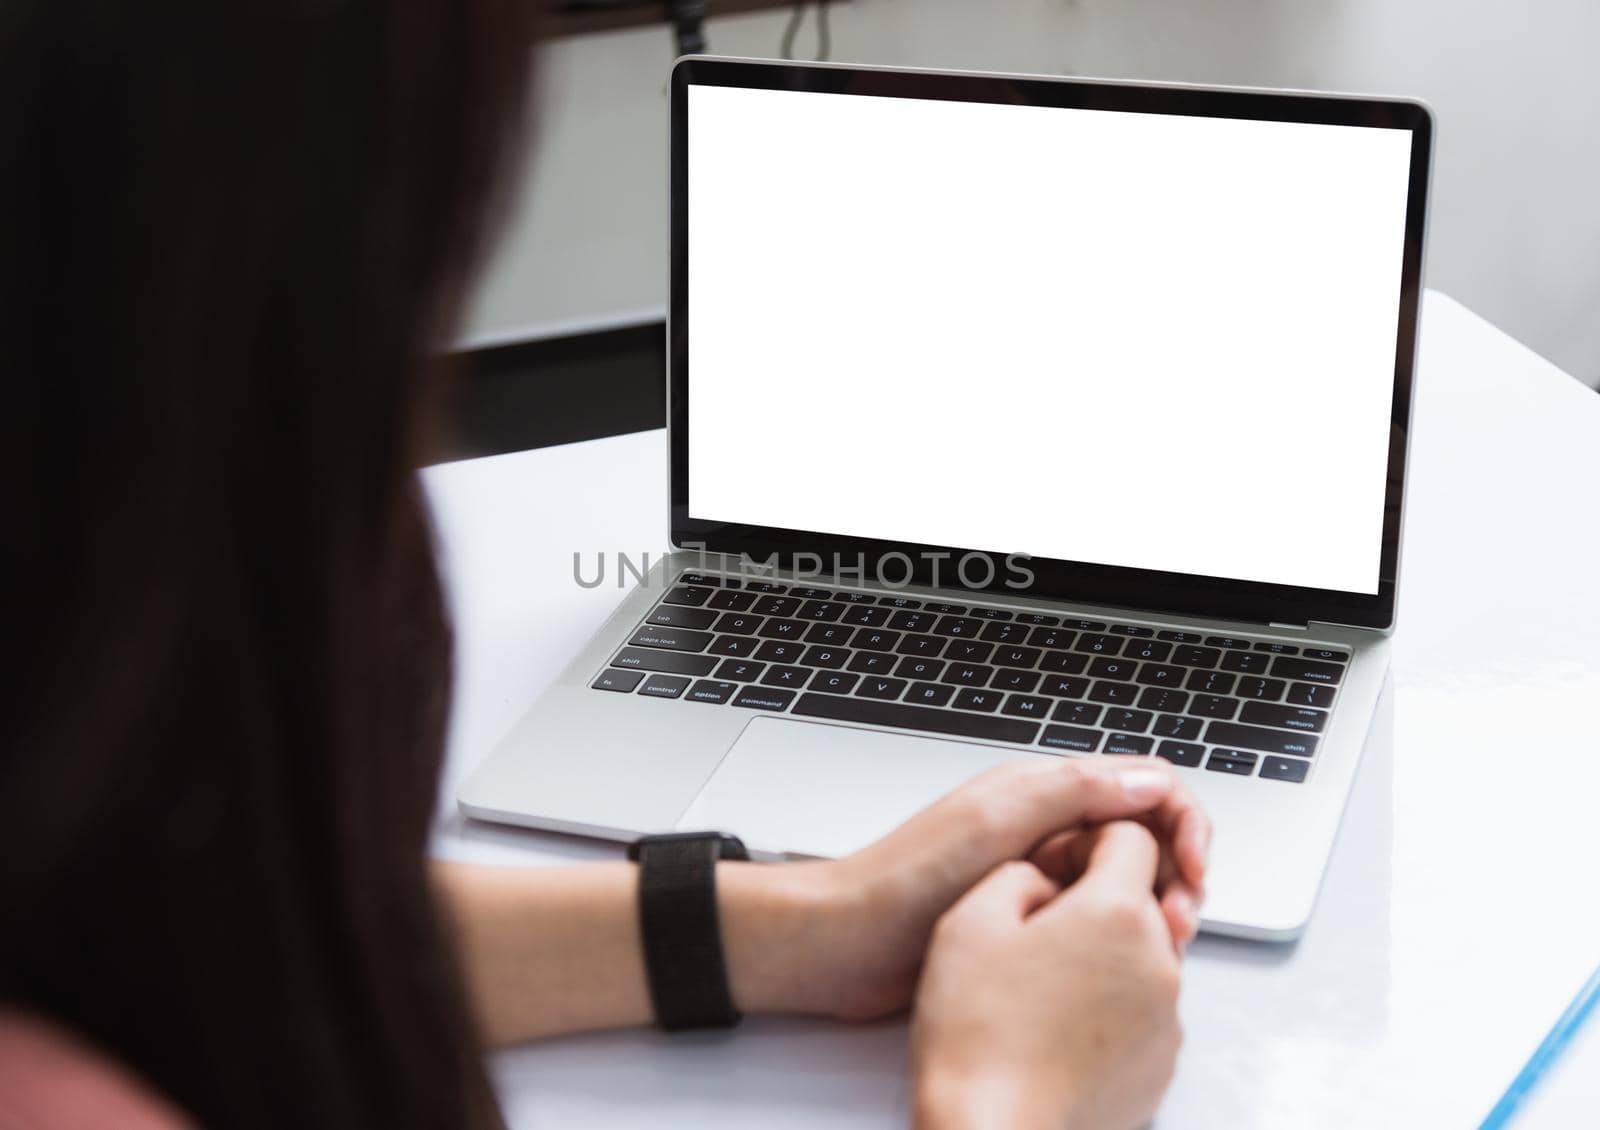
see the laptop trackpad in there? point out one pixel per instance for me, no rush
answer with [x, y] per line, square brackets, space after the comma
[807, 788]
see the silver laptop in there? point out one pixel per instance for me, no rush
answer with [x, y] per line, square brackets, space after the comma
[1010, 418]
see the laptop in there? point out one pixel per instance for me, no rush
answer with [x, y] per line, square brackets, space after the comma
[1010, 417]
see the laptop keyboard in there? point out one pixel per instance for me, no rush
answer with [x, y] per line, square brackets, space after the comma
[1228, 704]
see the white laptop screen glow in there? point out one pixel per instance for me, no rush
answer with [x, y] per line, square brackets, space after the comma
[1129, 339]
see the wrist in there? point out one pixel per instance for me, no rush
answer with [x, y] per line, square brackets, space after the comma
[779, 935]
[954, 1100]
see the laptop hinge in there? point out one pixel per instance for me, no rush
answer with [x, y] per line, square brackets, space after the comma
[1288, 627]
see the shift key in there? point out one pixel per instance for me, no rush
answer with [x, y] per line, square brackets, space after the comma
[1259, 737]
[669, 662]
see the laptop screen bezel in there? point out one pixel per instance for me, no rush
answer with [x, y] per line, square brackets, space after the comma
[1079, 582]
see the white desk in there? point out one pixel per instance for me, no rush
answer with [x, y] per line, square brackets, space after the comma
[1459, 912]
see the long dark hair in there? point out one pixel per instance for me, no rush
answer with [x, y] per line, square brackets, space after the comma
[229, 233]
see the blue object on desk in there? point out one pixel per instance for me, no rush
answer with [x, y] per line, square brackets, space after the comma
[1546, 1054]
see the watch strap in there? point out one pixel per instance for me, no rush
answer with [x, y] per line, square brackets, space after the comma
[680, 929]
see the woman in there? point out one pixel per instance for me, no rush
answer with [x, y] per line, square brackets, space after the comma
[233, 233]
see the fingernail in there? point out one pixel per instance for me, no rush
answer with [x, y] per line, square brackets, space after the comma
[1142, 785]
[1202, 840]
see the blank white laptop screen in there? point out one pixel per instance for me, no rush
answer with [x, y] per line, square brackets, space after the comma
[1130, 339]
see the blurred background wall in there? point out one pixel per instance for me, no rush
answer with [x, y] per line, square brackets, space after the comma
[1515, 229]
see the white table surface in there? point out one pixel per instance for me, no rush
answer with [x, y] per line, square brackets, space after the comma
[1459, 912]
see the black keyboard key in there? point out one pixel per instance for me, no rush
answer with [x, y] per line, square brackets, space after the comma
[1128, 721]
[1084, 625]
[1212, 682]
[1128, 743]
[1278, 648]
[821, 610]
[866, 615]
[1100, 644]
[1026, 706]
[764, 698]
[739, 670]
[946, 609]
[1308, 670]
[1196, 656]
[929, 694]
[1258, 737]
[1172, 726]
[1149, 650]
[1181, 753]
[765, 587]
[962, 723]
[1284, 768]
[1058, 638]
[1012, 679]
[732, 600]
[913, 621]
[693, 595]
[672, 662]
[1180, 637]
[1119, 669]
[672, 639]
[677, 616]
[776, 606]
[776, 629]
[1115, 694]
[1327, 655]
[1267, 690]
[781, 651]
[875, 639]
[854, 597]
[1064, 686]
[1306, 694]
[1070, 737]
[900, 602]
[964, 626]
[1163, 700]
[1231, 643]
[992, 613]
[874, 686]
[739, 623]
[1077, 713]
[1161, 675]
[612, 679]
[812, 594]
[1005, 631]
[784, 675]
[920, 645]
[836, 634]
[1232, 761]
[1246, 662]
[708, 690]
[1213, 706]
[1038, 618]
[872, 662]
[739, 646]
[703, 579]
[968, 674]
[975, 698]
[1064, 662]
[665, 686]
[968, 651]
[919, 667]
[834, 682]
[1131, 630]
[1016, 656]
[820, 655]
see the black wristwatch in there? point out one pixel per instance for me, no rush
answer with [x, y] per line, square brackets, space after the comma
[681, 932]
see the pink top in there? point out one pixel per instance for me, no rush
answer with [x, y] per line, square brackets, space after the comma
[49, 1079]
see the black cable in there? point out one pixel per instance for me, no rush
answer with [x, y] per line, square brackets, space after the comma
[786, 49]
